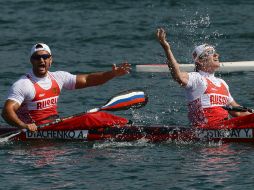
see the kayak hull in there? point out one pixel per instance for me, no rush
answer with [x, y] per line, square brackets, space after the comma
[104, 126]
[133, 133]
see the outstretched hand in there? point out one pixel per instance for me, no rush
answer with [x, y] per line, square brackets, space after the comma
[122, 69]
[161, 35]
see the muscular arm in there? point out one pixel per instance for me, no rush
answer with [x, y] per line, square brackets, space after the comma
[94, 79]
[179, 76]
[10, 116]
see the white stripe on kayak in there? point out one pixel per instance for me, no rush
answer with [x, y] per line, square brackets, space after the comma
[225, 67]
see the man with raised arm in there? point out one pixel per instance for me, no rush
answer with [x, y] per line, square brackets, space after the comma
[205, 93]
[32, 99]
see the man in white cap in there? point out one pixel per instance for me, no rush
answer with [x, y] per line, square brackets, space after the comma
[206, 94]
[32, 99]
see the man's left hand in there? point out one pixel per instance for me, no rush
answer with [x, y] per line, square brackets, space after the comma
[121, 69]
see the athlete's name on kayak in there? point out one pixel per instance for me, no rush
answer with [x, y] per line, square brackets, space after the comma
[230, 133]
[73, 134]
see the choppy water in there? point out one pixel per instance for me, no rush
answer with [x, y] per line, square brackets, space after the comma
[87, 36]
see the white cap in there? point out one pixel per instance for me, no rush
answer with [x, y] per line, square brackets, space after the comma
[198, 50]
[40, 47]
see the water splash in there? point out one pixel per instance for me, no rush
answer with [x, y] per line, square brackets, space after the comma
[191, 30]
[196, 23]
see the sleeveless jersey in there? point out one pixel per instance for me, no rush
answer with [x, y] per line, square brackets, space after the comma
[43, 105]
[207, 109]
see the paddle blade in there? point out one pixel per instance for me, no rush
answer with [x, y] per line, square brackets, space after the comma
[125, 100]
[8, 135]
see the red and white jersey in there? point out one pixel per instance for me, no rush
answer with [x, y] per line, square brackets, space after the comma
[206, 94]
[38, 96]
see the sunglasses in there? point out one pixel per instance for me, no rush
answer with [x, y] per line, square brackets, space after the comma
[43, 56]
[207, 53]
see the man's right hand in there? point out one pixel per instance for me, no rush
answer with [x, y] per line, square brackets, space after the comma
[161, 35]
[31, 127]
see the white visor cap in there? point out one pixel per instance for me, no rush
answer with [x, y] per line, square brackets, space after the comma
[40, 47]
[198, 50]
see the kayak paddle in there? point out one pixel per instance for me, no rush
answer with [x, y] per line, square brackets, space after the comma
[238, 109]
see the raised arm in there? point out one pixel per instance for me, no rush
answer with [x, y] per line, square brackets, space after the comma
[179, 76]
[94, 79]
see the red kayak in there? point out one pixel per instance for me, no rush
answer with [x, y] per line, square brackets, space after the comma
[105, 126]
